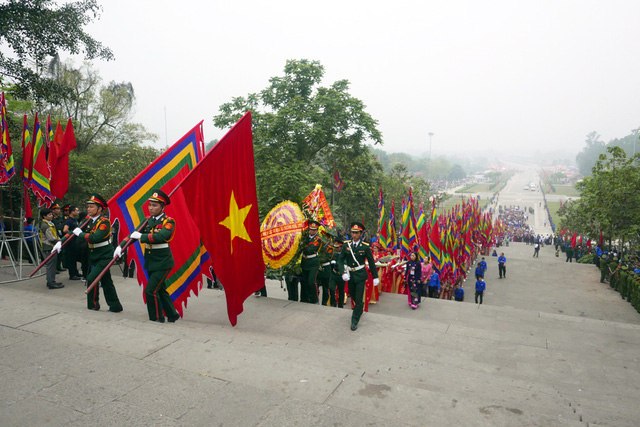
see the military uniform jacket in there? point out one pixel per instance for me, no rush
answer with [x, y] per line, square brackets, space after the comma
[310, 249]
[326, 255]
[352, 260]
[97, 234]
[156, 236]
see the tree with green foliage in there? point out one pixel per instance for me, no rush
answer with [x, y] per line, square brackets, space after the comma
[456, 172]
[590, 153]
[32, 32]
[110, 149]
[101, 114]
[609, 199]
[302, 132]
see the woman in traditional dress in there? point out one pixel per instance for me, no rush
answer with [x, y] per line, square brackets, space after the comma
[412, 276]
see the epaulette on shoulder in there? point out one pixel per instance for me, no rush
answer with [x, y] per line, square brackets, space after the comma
[347, 241]
[168, 218]
[365, 243]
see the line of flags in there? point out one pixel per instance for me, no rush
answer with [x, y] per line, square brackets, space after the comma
[446, 240]
[45, 158]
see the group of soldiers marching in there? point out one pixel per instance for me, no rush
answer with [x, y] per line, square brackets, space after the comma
[332, 263]
[95, 232]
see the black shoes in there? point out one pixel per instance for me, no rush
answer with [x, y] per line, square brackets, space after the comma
[354, 326]
[115, 310]
[55, 285]
[160, 319]
[173, 319]
[75, 278]
[96, 308]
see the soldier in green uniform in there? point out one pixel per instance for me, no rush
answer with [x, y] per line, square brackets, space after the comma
[351, 264]
[97, 234]
[634, 295]
[613, 273]
[335, 281]
[58, 221]
[310, 263]
[624, 279]
[158, 259]
[324, 272]
[604, 267]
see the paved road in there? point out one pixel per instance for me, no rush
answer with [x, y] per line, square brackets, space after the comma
[550, 346]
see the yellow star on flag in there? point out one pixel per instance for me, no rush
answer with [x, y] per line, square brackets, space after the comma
[235, 221]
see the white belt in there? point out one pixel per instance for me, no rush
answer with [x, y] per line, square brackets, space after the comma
[326, 264]
[158, 246]
[310, 256]
[356, 268]
[101, 244]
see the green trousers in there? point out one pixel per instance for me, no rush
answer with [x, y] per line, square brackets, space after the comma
[356, 291]
[158, 299]
[110, 294]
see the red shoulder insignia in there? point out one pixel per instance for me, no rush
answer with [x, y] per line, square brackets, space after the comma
[103, 227]
[169, 226]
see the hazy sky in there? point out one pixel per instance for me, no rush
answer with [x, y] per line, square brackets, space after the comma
[512, 75]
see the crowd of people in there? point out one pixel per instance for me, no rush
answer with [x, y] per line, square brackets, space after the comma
[333, 269]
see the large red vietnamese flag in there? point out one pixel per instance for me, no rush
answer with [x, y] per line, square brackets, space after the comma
[220, 192]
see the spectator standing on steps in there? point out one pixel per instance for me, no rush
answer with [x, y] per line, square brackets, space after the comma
[480, 288]
[502, 265]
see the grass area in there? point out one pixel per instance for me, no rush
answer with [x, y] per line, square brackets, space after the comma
[553, 210]
[450, 203]
[567, 190]
[475, 188]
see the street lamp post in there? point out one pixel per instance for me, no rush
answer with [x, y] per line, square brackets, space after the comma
[430, 135]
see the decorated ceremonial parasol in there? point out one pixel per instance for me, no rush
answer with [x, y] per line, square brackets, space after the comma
[280, 232]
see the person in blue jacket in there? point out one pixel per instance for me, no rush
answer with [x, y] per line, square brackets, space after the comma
[483, 265]
[502, 265]
[434, 283]
[480, 288]
[458, 293]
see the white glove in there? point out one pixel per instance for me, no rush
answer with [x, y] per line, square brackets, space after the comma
[375, 282]
[333, 262]
[118, 252]
[136, 235]
[57, 247]
[77, 231]
[346, 277]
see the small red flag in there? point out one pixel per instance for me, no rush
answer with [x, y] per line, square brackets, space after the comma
[574, 240]
[28, 213]
[60, 182]
[221, 194]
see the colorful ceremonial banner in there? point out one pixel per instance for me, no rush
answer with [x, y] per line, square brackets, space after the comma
[318, 207]
[383, 229]
[40, 172]
[391, 227]
[60, 176]
[423, 236]
[408, 236]
[27, 153]
[280, 232]
[7, 169]
[221, 196]
[129, 208]
[338, 183]
[435, 243]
